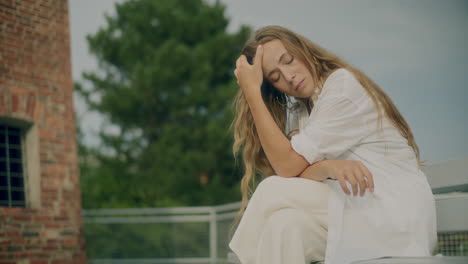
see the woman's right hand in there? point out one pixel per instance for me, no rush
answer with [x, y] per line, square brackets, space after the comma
[352, 171]
[250, 77]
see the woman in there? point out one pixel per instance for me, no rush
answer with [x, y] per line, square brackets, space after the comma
[321, 157]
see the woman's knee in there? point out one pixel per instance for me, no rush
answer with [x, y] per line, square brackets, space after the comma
[286, 219]
[277, 185]
[276, 192]
[269, 185]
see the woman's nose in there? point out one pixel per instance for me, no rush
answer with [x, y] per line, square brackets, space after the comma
[289, 76]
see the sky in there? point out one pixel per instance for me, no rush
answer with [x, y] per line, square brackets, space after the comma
[416, 50]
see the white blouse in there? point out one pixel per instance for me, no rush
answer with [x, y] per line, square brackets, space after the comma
[399, 218]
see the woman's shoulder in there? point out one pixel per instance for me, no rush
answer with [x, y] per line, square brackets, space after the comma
[339, 73]
[342, 83]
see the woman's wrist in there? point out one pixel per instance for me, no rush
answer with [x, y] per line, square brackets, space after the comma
[252, 94]
[317, 171]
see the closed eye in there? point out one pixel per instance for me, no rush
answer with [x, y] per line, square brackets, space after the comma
[279, 76]
[277, 79]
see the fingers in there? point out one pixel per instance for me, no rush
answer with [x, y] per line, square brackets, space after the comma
[369, 177]
[236, 70]
[357, 182]
[249, 75]
[359, 178]
[354, 183]
[237, 77]
[238, 62]
[355, 173]
[243, 59]
[362, 183]
[343, 186]
[257, 61]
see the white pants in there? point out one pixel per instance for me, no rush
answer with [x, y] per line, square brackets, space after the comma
[285, 222]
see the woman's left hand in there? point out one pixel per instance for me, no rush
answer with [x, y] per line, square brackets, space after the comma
[250, 77]
[344, 171]
[353, 172]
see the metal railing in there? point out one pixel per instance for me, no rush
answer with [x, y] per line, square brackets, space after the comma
[143, 235]
[200, 234]
[113, 235]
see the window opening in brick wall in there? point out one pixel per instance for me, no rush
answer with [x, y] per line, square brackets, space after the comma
[11, 168]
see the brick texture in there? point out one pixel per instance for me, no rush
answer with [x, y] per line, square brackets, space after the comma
[36, 85]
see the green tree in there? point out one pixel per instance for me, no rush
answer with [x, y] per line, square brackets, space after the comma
[167, 85]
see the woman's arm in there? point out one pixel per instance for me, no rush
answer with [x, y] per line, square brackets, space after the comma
[318, 171]
[284, 160]
[354, 172]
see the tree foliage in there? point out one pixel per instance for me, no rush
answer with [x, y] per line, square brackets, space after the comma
[167, 85]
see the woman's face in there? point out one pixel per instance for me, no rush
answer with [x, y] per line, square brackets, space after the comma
[286, 73]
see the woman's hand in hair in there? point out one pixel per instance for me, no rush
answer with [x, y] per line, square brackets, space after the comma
[351, 171]
[250, 77]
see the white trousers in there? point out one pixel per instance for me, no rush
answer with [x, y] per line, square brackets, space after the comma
[285, 222]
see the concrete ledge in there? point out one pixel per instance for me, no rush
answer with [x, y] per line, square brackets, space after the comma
[415, 260]
[452, 212]
[448, 176]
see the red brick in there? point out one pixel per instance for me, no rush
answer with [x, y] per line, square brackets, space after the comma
[13, 234]
[52, 241]
[5, 241]
[40, 255]
[50, 248]
[18, 241]
[11, 210]
[22, 218]
[30, 105]
[62, 261]
[9, 3]
[46, 134]
[70, 241]
[61, 218]
[2, 103]
[32, 247]
[21, 255]
[14, 103]
[42, 218]
[37, 261]
[52, 225]
[9, 227]
[36, 76]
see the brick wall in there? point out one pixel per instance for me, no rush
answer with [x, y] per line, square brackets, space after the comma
[36, 86]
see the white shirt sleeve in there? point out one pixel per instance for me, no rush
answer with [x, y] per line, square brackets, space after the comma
[339, 122]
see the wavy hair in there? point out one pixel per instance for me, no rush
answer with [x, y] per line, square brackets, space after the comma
[321, 64]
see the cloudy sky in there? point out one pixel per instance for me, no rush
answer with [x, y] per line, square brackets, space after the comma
[416, 50]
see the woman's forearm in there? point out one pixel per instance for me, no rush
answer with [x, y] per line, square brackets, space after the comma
[284, 160]
[317, 171]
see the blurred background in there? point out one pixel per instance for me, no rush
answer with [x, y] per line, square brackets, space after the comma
[154, 86]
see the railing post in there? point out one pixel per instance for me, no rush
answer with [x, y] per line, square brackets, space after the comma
[213, 236]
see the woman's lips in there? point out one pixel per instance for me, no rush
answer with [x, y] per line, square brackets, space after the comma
[299, 85]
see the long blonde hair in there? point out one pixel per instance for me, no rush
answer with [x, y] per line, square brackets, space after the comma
[321, 64]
